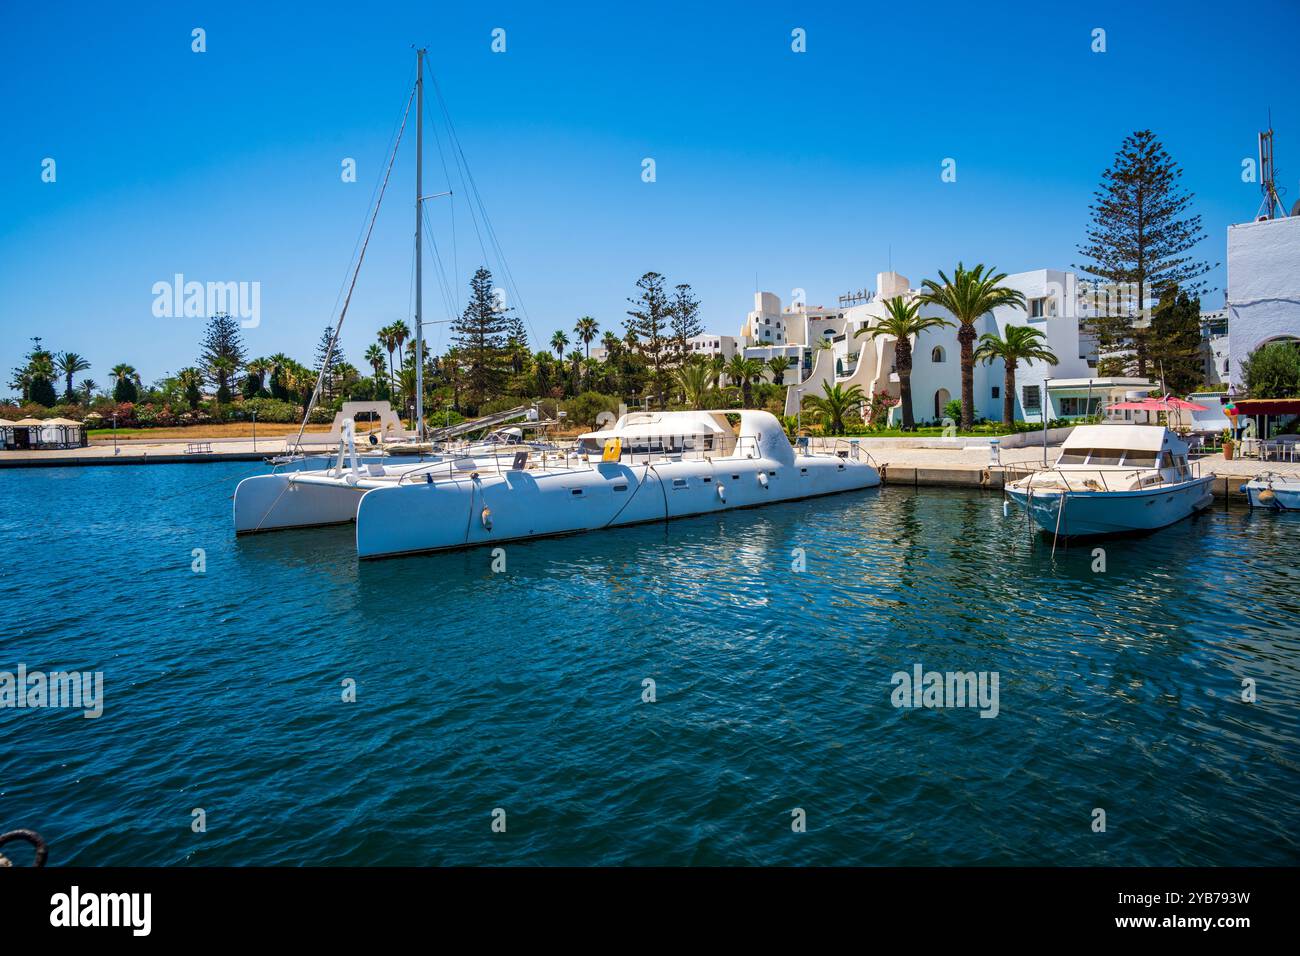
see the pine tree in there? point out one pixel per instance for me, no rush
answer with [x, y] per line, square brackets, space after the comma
[686, 319]
[479, 336]
[221, 340]
[516, 342]
[1175, 348]
[648, 331]
[1141, 235]
[327, 362]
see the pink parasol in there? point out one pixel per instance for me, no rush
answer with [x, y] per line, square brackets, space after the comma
[1166, 404]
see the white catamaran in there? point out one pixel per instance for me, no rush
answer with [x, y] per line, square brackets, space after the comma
[648, 466]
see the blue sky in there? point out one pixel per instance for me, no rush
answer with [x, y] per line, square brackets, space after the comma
[809, 170]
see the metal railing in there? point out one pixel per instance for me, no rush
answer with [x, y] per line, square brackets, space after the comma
[1088, 480]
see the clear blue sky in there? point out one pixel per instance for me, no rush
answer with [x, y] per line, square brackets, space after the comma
[802, 170]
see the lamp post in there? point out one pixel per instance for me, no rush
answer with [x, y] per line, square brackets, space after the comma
[114, 434]
[798, 412]
[254, 432]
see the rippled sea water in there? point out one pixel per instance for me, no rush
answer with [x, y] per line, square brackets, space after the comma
[523, 690]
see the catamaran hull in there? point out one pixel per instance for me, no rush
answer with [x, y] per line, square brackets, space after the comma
[1089, 513]
[282, 501]
[520, 505]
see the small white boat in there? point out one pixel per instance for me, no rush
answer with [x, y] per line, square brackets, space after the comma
[1274, 491]
[649, 466]
[1114, 478]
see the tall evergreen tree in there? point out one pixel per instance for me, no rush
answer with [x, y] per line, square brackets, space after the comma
[1174, 345]
[327, 363]
[221, 341]
[516, 342]
[686, 318]
[479, 336]
[648, 330]
[1141, 237]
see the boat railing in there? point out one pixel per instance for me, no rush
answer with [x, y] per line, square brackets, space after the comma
[839, 447]
[1088, 480]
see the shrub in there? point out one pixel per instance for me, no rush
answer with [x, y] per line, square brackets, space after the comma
[1273, 371]
[585, 409]
[269, 410]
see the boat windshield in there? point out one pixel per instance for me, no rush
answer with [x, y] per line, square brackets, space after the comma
[1132, 458]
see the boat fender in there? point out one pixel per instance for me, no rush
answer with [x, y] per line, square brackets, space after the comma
[486, 517]
[722, 493]
[1267, 495]
[762, 478]
[1006, 509]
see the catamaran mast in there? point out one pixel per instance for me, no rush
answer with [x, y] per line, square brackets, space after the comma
[419, 219]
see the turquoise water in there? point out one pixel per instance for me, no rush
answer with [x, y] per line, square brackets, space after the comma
[523, 690]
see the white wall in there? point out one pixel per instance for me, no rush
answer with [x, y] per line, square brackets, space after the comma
[1263, 287]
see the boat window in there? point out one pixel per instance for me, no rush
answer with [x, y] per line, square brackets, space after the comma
[1105, 456]
[1073, 457]
[621, 486]
[1140, 459]
[679, 482]
[1166, 460]
[576, 492]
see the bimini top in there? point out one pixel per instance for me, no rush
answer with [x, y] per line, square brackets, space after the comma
[1133, 437]
[646, 424]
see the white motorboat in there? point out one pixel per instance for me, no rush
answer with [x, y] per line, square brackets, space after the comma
[1114, 478]
[1274, 491]
[649, 466]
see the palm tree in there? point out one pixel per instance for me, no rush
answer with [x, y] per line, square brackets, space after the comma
[902, 322]
[717, 365]
[696, 382]
[388, 339]
[127, 378]
[778, 364]
[968, 295]
[191, 382]
[1021, 343]
[835, 404]
[401, 332]
[559, 341]
[258, 369]
[375, 359]
[743, 372]
[586, 327]
[88, 387]
[575, 361]
[68, 365]
[612, 344]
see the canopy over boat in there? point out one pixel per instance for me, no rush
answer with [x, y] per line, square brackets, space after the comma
[1133, 437]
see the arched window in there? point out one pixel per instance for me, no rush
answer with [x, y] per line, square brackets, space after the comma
[936, 355]
[941, 398]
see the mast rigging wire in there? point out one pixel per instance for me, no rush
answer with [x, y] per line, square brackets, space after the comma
[329, 355]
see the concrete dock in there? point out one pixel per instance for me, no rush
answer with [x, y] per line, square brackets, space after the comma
[904, 462]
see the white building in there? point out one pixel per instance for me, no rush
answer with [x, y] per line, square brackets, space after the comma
[1070, 389]
[710, 344]
[1263, 288]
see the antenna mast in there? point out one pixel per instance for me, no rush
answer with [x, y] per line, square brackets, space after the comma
[1272, 206]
